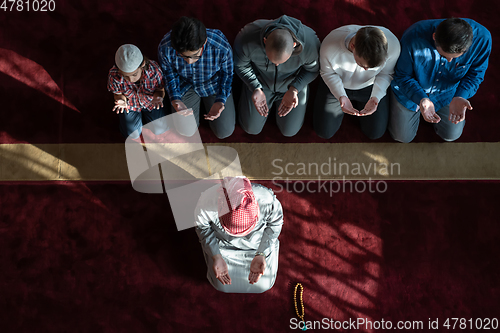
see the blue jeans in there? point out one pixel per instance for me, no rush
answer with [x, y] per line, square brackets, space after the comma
[132, 121]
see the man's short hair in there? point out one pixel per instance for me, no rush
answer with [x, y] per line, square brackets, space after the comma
[454, 35]
[370, 44]
[188, 34]
[280, 41]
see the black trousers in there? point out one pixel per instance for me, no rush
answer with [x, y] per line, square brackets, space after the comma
[328, 114]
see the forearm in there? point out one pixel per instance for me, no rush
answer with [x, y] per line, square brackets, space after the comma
[206, 236]
[306, 75]
[268, 239]
[404, 75]
[247, 75]
[171, 80]
[469, 84]
[242, 63]
[384, 78]
[226, 78]
[311, 63]
[273, 228]
[410, 88]
[405, 80]
[225, 86]
[172, 88]
[334, 84]
[210, 245]
[119, 97]
[380, 85]
[159, 93]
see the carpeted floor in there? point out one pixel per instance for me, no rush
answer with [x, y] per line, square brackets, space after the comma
[94, 257]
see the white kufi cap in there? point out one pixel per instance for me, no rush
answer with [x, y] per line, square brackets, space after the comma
[128, 58]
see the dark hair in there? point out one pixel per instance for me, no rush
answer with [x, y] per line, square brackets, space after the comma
[370, 44]
[280, 41]
[188, 34]
[454, 35]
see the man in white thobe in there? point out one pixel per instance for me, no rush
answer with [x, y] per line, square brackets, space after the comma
[238, 224]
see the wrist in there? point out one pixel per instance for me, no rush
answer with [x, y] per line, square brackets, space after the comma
[293, 89]
[260, 254]
[120, 97]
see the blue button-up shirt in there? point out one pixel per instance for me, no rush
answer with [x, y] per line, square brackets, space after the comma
[212, 74]
[421, 72]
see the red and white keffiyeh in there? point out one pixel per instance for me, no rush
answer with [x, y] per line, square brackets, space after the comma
[237, 206]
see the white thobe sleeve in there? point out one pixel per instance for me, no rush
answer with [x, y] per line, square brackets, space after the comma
[204, 229]
[274, 221]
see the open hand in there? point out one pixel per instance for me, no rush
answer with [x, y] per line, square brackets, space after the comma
[257, 268]
[458, 106]
[157, 102]
[259, 100]
[346, 105]
[215, 111]
[120, 106]
[181, 108]
[370, 107]
[428, 111]
[220, 269]
[289, 101]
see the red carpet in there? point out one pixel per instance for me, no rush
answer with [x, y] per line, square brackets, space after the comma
[75, 46]
[89, 257]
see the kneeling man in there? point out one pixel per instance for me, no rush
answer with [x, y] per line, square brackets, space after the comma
[357, 64]
[238, 224]
[441, 65]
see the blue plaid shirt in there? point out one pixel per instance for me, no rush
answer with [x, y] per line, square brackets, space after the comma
[212, 74]
[421, 72]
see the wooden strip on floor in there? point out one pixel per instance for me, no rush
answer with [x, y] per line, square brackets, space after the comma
[265, 161]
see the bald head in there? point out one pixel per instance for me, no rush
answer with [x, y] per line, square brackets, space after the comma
[279, 46]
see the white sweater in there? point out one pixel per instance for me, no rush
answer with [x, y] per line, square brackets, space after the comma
[340, 71]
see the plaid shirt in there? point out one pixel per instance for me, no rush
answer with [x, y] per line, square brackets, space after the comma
[139, 96]
[212, 74]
